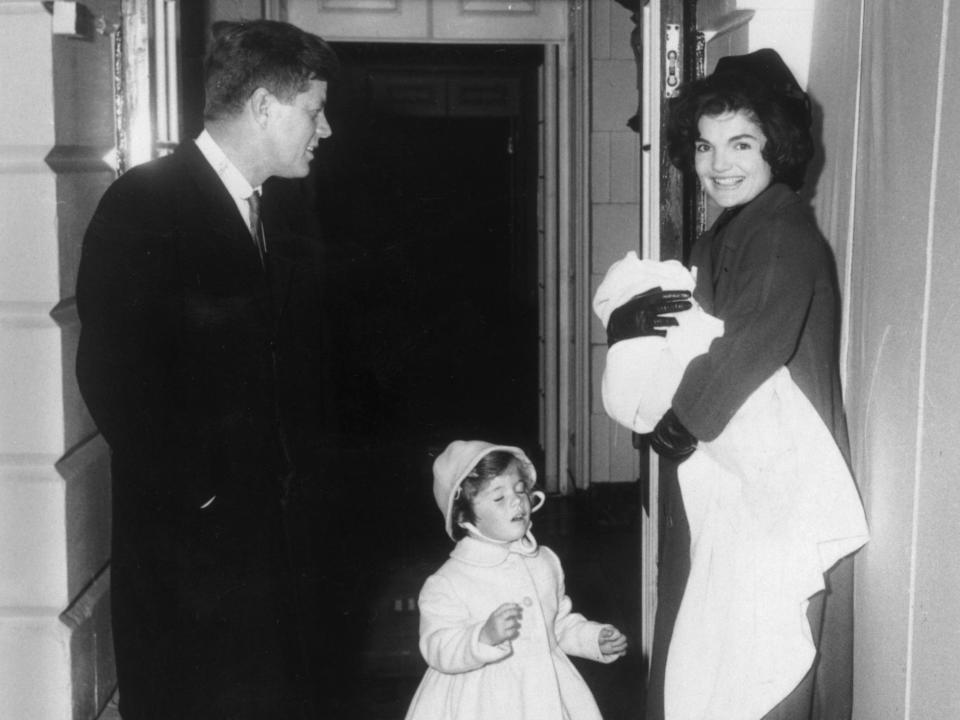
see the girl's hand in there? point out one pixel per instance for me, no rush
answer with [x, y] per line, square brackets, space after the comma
[502, 625]
[612, 641]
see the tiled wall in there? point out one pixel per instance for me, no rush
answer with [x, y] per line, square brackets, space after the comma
[614, 209]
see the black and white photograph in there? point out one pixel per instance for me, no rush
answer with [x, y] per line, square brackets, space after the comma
[479, 360]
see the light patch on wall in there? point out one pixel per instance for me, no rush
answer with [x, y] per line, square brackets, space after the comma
[786, 26]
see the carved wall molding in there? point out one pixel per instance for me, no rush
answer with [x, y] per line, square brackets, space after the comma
[64, 159]
[26, 314]
[24, 159]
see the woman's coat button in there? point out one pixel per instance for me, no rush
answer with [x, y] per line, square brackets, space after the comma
[528, 601]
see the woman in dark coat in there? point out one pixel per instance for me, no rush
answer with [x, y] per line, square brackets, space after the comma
[766, 271]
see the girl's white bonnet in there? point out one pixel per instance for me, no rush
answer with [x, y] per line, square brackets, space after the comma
[454, 464]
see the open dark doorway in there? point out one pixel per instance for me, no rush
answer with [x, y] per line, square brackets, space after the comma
[427, 199]
[427, 195]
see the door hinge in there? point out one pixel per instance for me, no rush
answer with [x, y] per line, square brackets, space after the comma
[671, 61]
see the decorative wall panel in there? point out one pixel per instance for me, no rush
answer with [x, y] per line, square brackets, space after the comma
[499, 6]
[531, 21]
[428, 20]
[360, 5]
[362, 19]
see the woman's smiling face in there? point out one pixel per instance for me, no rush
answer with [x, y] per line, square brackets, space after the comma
[502, 508]
[728, 158]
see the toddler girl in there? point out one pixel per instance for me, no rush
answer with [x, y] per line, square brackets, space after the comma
[495, 624]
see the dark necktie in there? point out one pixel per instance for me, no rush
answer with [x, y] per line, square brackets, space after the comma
[256, 227]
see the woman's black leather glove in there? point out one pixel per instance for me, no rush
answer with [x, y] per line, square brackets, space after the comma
[671, 439]
[642, 315]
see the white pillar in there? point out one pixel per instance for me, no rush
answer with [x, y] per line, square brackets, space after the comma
[55, 656]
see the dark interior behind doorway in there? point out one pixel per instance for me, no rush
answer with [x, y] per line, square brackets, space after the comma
[426, 195]
[427, 198]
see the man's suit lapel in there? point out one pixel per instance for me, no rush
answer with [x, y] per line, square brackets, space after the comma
[284, 244]
[215, 218]
[280, 274]
[208, 204]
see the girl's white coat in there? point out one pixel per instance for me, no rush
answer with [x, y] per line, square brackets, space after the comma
[530, 678]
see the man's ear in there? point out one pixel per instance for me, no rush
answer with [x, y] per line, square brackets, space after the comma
[259, 104]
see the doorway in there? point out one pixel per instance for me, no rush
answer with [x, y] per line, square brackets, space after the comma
[427, 199]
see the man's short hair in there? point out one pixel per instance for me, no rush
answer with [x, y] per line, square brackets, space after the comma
[244, 56]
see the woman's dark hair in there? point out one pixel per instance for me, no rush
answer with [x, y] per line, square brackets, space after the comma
[262, 53]
[781, 110]
[491, 465]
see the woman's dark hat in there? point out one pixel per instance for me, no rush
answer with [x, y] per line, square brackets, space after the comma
[766, 68]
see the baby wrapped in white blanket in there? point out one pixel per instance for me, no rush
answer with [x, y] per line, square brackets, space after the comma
[771, 506]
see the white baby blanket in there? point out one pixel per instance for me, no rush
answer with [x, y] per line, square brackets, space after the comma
[642, 374]
[771, 506]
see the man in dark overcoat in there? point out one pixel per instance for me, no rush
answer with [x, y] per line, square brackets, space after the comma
[200, 359]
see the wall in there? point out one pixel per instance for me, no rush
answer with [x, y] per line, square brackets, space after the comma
[887, 183]
[614, 208]
[896, 205]
[785, 25]
[55, 646]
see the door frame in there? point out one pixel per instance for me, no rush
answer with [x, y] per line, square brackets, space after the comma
[564, 250]
[565, 257]
[667, 224]
[566, 152]
[650, 153]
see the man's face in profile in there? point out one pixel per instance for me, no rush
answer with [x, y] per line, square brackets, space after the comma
[295, 129]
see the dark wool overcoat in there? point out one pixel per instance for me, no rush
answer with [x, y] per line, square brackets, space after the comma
[203, 370]
[766, 271]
